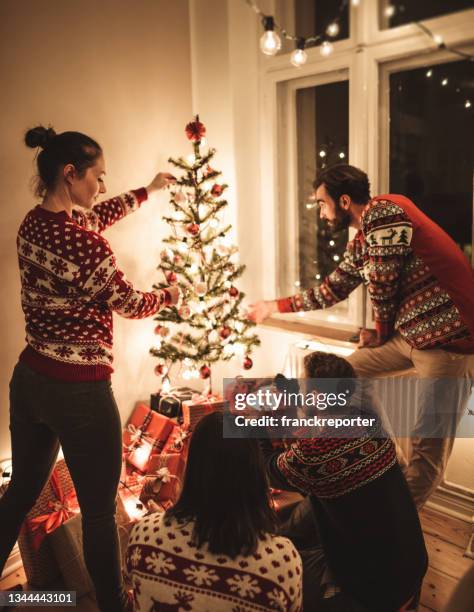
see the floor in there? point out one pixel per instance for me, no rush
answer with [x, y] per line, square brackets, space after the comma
[446, 539]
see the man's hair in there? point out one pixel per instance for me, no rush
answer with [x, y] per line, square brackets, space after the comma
[343, 179]
[327, 365]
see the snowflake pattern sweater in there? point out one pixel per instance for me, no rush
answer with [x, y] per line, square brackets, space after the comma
[169, 573]
[418, 279]
[70, 285]
[366, 517]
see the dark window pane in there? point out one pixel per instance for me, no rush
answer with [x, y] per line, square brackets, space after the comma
[394, 13]
[312, 17]
[323, 139]
[431, 152]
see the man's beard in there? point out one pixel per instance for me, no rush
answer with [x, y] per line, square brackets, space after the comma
[342, 220]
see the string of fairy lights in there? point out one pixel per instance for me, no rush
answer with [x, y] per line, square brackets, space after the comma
[270, 42]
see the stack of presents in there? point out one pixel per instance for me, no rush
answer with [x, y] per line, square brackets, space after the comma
[155, 448]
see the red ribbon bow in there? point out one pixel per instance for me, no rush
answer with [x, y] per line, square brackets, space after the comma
[62, 509]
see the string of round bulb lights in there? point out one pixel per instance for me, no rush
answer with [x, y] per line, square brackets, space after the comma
[270, 41]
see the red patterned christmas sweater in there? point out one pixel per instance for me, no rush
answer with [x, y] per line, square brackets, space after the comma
[418, 279]
[71, 284]
[169, 573]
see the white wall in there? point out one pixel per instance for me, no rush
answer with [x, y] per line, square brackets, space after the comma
[119, 71]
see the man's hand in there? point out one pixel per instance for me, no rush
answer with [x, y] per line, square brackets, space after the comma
[161, 180]
[261, 310]
[368, 339]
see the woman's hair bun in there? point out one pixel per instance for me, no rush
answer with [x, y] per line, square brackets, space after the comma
[39, 137]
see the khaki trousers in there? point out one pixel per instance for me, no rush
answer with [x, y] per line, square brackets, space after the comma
[445, 391]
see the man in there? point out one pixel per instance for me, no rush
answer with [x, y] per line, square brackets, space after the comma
[422, 292]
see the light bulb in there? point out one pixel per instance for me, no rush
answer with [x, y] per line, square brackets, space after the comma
[166, 386]
[429, 73]
[318, 276]
[444, 82]
[389, 11]
[467, 104]
[342, 155]
[331, 243]
[214, 223]
[326, 48]
[355, 2]
[336, 258]
[270, 42]
[297, 284]
[183, 247]
[191, 158]
[298, 57]
[333, 29]
[322, 153]
[438, 39]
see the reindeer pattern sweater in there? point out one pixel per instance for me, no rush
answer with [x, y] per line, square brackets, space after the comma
[169, 572]
[71, 284]
[418, 279]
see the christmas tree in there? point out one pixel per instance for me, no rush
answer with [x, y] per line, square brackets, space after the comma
[207, 325]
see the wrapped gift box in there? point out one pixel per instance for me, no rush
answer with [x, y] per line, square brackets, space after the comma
[178, 441]
[66, 542]
[171, 403]
[199, 406]
[56, 504]
[146, 433]
[164, 479]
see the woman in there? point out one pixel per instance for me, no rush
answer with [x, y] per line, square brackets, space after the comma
[215, 549]
[60, 392]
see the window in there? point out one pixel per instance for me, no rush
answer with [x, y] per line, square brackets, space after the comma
[313, 17]
[322, 117]
[431, 152]
[388, 101]
[394, 13]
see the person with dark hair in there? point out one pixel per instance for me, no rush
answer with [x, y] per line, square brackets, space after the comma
[216, 548]
[422, 291]
[60, 392]
[358, 530]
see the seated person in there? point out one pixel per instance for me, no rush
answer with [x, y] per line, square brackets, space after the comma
[216, 548]
[368, 531]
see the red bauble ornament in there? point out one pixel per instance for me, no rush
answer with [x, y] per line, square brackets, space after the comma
[248, 363]
[171, 278]
[195, 131]
[233, 291]
[225, 332]
[161, 369]
[217, 190]
[205, 371]
[193, 229]
[208, 171]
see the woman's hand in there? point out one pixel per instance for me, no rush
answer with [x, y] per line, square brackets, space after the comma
[175, 294]
[161, 180]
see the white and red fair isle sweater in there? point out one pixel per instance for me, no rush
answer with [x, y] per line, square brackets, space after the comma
[169, 573]
[70, 285]
[418, 279]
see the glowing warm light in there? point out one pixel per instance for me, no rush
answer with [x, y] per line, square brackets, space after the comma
[331, 243]
[444, 82]
[467, 104]
[298, 57]
[342, 155]
[326, 48]
[322, 153]
[336, 258]
[429, 73]
[191, 158]
[333, 29]
[270, 43]
[438, 39]
[131, 507]
[166, 386]
[389, 11]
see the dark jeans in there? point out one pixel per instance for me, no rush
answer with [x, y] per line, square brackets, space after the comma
[83, 418]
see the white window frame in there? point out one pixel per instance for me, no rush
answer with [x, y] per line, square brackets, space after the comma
[368, 57]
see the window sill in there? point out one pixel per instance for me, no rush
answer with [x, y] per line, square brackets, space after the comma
[333, 335]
